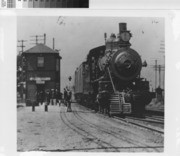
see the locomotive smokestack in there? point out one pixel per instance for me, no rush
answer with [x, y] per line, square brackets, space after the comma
[122, 27]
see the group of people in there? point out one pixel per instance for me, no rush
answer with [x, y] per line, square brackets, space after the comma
[55, 97]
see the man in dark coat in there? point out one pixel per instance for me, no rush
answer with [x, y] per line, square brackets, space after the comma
[41, 97]
[48, 97]
[68, 99]
[58, 96]
[65, 95]
[52, 93]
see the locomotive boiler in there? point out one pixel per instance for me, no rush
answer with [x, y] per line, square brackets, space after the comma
[114, 67]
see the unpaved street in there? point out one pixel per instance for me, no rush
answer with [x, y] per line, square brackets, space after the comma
[80, 130]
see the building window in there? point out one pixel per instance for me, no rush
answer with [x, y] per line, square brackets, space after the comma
[40, 61]
[57, 64]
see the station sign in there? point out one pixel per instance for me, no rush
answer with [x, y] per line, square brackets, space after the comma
[39, 78]
[40, 82]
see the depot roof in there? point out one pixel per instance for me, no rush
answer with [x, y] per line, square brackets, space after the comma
[40, 48]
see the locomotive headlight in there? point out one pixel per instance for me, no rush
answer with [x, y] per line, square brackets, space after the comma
[125, 36]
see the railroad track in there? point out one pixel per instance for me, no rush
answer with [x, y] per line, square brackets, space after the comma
[148, 122]
[133, 121]
[155, 118]
[147, 119]
[159, 112]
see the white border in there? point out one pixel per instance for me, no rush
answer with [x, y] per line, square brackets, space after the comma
[134, 4]
[8, 72]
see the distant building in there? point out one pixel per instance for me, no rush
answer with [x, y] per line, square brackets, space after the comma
[51, 3]
[42, 71]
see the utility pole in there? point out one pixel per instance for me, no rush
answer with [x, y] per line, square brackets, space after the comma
[155, 67]
[39, 38]
[161, 68]
[159, 76]
[22, 70]
[155, 73]
[44, 39]
[105, 37]
[21, 46]
[53, 43]
[158, 71]
[58, 50]
[162, 50]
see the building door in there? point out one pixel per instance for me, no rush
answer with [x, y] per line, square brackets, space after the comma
[31, 94]
[40, 92]
[40, 88]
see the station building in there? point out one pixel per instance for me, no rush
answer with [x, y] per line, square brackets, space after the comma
[42, 71]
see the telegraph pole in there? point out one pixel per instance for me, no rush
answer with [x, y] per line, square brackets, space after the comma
[155, 67]
[58, 50]
[159, 76]
[158, 70]
[162, 50]
[39, 38]
[155, 73]
[21, 46]
[22, 71]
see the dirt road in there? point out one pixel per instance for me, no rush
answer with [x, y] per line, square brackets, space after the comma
[80, 130]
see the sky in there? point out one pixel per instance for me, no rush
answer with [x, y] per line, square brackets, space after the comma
[75, 36]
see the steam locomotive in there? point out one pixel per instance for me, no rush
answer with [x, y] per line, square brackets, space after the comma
[114, 67]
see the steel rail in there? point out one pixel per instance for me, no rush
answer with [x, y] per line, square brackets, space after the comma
[146, 120]
[140, 125]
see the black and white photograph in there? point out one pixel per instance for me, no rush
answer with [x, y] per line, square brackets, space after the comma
[90, 84]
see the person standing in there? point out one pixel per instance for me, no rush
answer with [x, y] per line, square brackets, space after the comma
[48, 97]
[58, 97]
[41, 97]
[65, 96]
[52, 97]
[68, 99]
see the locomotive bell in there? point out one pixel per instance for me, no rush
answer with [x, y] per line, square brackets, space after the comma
[126, 64]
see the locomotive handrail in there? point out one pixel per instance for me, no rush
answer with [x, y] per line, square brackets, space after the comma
[111, 80]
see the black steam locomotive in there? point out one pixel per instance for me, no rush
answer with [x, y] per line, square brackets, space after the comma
[114, 67]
